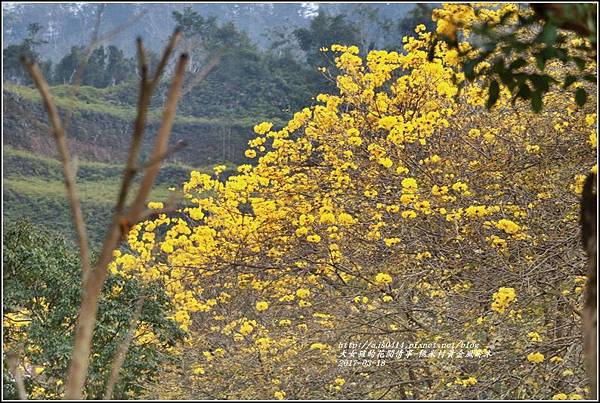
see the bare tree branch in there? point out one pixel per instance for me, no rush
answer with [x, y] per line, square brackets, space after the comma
[121, 351]
[92, 288]
[93, 280]
[146, 89]
[68, 171]
[142, 62]
[166, 55]
[162, 140]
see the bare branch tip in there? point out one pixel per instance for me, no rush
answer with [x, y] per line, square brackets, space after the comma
[26, 61]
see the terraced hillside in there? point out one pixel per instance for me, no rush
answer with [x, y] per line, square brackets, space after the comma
[34, 189]
[99, 127]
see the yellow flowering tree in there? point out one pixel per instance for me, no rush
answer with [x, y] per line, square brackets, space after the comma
[531, 38]
[394, 209]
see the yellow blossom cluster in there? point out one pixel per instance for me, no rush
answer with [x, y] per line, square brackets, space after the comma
[502, 298]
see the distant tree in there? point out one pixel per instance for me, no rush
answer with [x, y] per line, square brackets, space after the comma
[323, 31]
[202, 37]
[65, 69]
[118, 67]
[371, 27]
[420, 14]
[33, 39]
[94, 72]
[205, 42]
[13, 69]
[283, 42]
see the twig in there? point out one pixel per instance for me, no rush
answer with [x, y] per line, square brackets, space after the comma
[146, 89]
[121, 352]
[68, 171]
[138, 131]
[142, 61]
[162, 140]
[166, 55]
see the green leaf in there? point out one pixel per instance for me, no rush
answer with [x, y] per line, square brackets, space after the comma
[524, 91]
[568, 81]
[517, 64]
[507, 79]
[493, 93]
[540, 82]
[579, 62]
[469, 69]
[548, 34]
[536, 101]
[540, 61]
[580, 96]
[498, 65]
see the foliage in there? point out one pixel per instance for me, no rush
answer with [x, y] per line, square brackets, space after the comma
[248, 83]
[420, 14]
[395, 209]
[11, 56]
[104, 67]
[324, 30]
[205, 35]
[41, 296]
[517, 46]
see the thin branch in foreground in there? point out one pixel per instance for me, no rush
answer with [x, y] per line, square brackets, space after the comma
[93, 287]
[68, 171]
[121, 351]
[145, 96]
[162, 140]
[166, 55]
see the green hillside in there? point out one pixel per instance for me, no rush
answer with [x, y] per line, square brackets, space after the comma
[113, 102]
[34, 189]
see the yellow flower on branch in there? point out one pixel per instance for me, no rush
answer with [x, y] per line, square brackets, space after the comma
[536, 357]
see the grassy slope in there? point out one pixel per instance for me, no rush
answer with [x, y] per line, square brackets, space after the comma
[33, 185]
[33, 188]
[102, 100]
